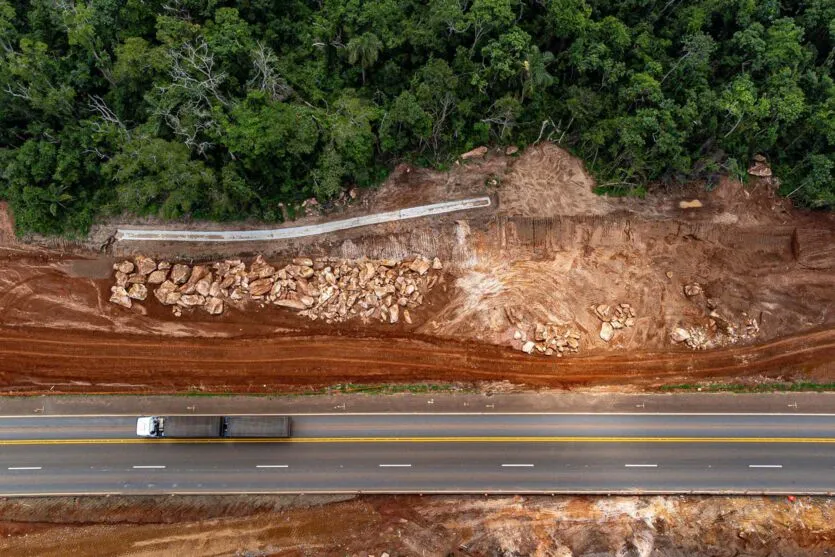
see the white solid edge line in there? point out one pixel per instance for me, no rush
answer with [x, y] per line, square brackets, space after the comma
[272, 466]
[24, 468]
[395, 465]
[641, 465]
[150, 466]
[433, 491]
[517, 465]
[765, 466]
[305, 414]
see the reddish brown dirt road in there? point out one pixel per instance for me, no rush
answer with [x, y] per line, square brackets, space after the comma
[33, 360]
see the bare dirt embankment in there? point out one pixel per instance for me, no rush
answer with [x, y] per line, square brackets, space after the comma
[740, 276]
[398, 526]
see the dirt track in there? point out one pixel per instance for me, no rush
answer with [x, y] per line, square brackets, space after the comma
[40, 360]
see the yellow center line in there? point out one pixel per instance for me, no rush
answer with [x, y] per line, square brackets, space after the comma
[546, 439]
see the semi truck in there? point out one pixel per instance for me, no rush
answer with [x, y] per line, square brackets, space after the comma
[213, 426]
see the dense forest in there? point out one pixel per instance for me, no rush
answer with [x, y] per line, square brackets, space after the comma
[221, 110]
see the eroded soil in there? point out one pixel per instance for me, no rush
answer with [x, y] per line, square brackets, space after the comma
[548, 251]
[399, 526]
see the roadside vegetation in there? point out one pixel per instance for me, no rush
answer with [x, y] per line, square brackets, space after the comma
[222, 110]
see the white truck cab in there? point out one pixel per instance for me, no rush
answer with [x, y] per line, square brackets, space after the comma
[146, 426]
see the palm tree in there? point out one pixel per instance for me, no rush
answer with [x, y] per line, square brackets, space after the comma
[535, 71]
[364, 49]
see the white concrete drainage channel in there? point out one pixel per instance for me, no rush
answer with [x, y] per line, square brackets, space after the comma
[134, 235]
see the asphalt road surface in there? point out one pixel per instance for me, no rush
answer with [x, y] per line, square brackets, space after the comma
[431, 453]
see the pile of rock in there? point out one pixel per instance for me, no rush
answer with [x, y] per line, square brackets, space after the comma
[614, 318]
[336, 290]
[132, 278]
[549, 339]
[323, 288]
[716, 330]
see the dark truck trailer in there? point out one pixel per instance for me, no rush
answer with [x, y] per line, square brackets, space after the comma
[213, 426]
[256, 426]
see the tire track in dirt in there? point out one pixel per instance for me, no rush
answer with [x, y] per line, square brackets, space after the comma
[31, 359]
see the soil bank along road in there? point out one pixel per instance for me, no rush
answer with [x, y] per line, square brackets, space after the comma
[430, 453]
[39, 360]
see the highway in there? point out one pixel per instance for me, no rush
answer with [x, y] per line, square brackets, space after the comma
[431, 453]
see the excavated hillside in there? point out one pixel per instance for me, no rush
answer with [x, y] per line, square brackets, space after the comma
[550, 286]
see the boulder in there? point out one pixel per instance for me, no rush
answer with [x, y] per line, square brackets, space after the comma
[407, 317]
[157, 277]
[292, 304]
[204, 285]
[512, 149]
[478, 152]
[680, 334]
[124, 267]
[121, 278]
[167, 293]
[693, 289]
[197, 273]
[760, 168]
[420, 266]
[180, 273]
[214, 306]
[145, 265]
[303, 261]
[214, 289]
[607, 331]
[191, 300]
[436, 264]
[394, 313]
[692, 204]
[136, 279]
[138, 292]
[163, 266]
[528, 347]
[119, 296]
[260, 269]
[260, 287]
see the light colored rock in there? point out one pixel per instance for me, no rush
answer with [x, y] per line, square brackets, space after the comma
[124, 267]
[630, 321]
[436, 264]
[528, 347]
[163, 266]
[680, 334]
[204, 285]
[616, 324]
[260, 287]
[260, 269]
[692, 204]
[121, 278]
[180, 273]
[607, 331]
[478, 152]
[215, 289]
[407, 317]
[144, 265]
[388, 262]
[136, 279]
[214, 306]
[511, 150]
[308, 301]
[760, 168]
[420, 266]
[669, 274]
[693, 289]
[157, 277]
[292, 304]
[119, 296]
[602, 311]
[303, 261]
[191, 300]
[138, 292]
[394, 313]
